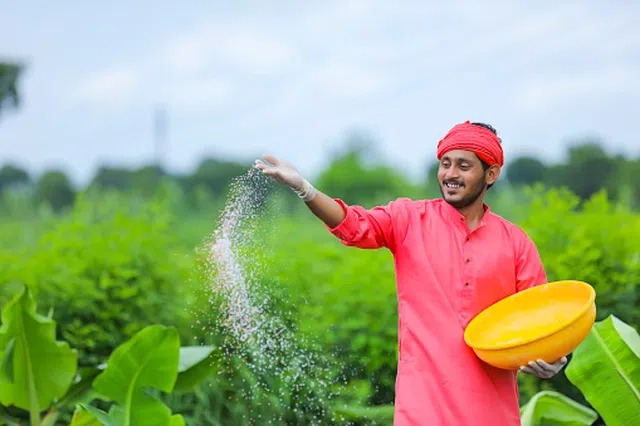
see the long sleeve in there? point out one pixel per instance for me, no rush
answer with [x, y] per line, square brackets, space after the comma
[366, 228]
[529, 269]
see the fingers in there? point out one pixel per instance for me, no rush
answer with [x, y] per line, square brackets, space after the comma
[271, 159]
[537, 369]
[280, 171]
[260, 165]
[271, 170]
[528, 370]
[559, 364]
[266, 169]
[267, 162]
[543, 369]
[556, 366]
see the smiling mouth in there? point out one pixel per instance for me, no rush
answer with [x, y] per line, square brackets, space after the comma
[452, 185]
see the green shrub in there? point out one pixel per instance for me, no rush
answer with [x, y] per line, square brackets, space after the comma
[42, 382]
[280, 383]
[114, 265]
[595, 242]
[106, 270]
[345, 299]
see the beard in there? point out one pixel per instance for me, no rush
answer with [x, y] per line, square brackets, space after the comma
[474, 193]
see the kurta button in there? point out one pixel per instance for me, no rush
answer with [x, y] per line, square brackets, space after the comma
[466, 284]
[468, 260]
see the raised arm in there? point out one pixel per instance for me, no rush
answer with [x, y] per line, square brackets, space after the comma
[324, 207]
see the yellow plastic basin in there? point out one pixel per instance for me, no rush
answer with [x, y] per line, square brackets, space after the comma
[544, 322]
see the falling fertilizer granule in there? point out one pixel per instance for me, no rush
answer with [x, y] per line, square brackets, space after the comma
[232, 278]
[254, 330]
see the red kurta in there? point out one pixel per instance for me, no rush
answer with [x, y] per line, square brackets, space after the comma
[445, 275]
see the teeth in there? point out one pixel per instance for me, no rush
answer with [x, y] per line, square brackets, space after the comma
[453, 185]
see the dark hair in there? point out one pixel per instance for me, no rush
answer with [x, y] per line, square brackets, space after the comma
[490, 127]
[485, 166]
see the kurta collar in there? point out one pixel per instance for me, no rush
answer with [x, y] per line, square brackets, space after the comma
[458, 217]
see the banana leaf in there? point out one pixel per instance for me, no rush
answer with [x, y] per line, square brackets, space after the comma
[379, 415]
[549, 407]
[87, 415]
[195, 365]
[84, 417]
[606, 369]
[148, 360]
[35, 368]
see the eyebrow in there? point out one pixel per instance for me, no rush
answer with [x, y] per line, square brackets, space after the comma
[457, 159]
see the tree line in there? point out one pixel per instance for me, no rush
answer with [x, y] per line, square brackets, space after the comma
[354, 174]
[588, 168]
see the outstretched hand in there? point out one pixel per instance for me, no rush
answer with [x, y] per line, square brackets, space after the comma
[285, 173]
[281, 171]
[543, 369]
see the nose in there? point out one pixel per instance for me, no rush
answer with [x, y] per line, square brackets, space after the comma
[452, 173]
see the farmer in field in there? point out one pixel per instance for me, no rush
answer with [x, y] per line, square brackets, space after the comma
[453, 258]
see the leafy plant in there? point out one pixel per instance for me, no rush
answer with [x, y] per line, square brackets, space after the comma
[327, 286]
[376, 415]
[360, 176]
[40, 374]
[35, 368]
[550, 407]
[606, 369]
[609, 359]
[595, 241]
[149, 359]
[84, 417]
[121, 265]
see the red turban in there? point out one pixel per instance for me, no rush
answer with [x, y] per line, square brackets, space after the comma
[477, 139]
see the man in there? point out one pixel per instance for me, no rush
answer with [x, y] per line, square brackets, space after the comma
[453, 258]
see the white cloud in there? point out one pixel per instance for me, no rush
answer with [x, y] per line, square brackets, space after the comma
[234, 47]
[108, 87]
[322, 67]
[208, 92]
[539, 94]
[257, 52]
[185, 54]
[201, 68]
[346, 80]
[353, 9]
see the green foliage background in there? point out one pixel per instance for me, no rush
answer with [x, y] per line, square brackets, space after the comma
[125, 255]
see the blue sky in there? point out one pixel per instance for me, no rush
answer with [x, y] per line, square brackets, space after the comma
[239, 79]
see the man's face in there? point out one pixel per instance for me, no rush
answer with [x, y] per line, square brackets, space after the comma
[461, 177]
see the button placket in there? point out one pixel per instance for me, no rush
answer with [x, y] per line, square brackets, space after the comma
[466, 292]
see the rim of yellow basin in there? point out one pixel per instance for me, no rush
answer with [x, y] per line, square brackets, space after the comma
[470, 334]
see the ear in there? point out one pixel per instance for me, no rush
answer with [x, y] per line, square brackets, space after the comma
[492, 174]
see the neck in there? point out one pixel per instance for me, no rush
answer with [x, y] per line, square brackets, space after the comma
[473, 213]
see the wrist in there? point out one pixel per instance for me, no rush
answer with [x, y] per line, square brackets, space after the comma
[306, 191]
